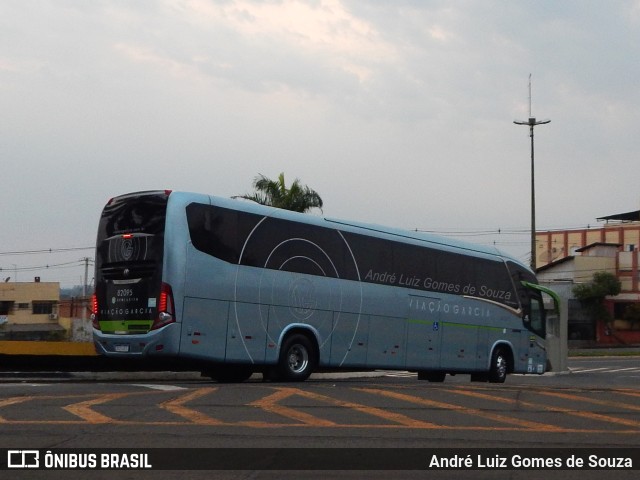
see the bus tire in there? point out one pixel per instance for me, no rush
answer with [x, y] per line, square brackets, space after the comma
[499, 365]
[432, 376]
[298, 358]
[229, 373]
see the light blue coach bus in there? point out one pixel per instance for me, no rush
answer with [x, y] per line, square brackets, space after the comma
[241, 288]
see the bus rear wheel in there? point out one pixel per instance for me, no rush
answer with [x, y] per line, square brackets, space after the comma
[298, 358]
[499, 365]
[229, 373]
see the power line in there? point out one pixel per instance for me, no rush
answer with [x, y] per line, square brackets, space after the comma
[46, 267]
[47, 250]
[474, 233]
[451, 232]
[501, 231]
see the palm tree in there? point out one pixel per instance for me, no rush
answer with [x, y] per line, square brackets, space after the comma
[298, 198]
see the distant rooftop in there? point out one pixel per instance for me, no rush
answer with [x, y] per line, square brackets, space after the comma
[597, 244]
[623, 217]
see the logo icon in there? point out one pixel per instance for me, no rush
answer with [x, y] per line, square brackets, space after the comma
[126, 249]
[302, 298]
[23, 459]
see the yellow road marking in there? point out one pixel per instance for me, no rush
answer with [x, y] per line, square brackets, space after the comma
[177, 406]
[631, 393]
[270, 403]
[84, 409]
[465, 410]
[595, 401]
[12, 401]
[551, 408]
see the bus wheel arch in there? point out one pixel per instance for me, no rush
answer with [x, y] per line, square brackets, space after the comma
[501, 363]
[299, 355]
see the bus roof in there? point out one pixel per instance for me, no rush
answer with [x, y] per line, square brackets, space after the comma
[412, 236]
[436, 241]
[430, 238]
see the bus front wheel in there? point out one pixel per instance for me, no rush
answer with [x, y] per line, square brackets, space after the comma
[432, 376]
[499, 365]
[298, 358]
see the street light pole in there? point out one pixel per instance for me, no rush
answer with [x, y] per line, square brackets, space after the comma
[532, 122]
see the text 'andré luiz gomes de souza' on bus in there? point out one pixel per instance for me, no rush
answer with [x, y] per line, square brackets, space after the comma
[431, 284]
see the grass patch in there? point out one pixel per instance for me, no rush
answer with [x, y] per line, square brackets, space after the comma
[605, 352]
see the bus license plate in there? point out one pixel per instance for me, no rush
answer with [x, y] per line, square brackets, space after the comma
[121, 348]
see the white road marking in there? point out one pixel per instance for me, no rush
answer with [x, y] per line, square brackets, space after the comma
[153, 386]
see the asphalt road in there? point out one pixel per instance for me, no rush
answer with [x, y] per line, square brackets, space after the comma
[596, 403]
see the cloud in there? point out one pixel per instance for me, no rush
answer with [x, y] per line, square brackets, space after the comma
[355, 98]
[261, 44]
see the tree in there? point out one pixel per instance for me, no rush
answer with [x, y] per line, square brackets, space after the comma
[632, 314]
[592, 294]
[274, 193]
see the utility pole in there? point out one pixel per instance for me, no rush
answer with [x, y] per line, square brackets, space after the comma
[532, 122]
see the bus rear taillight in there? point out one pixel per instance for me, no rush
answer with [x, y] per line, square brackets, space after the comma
[94, 312]
[166, 309]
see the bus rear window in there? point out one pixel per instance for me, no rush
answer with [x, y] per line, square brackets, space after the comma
[129, 257]
[137, 213]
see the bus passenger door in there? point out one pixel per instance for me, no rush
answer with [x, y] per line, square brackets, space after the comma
[459, 336]
[423, 333]
[534, 320]
[543, 346]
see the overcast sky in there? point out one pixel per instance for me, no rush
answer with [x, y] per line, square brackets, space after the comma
[397, 112]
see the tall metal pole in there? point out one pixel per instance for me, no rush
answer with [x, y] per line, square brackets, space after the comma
[533, 202]
[532, 122]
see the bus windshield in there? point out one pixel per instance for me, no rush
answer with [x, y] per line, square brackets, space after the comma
[129, 254]
[536, 319]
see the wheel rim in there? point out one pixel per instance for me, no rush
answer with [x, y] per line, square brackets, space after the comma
[298, 358]
[501, 366]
